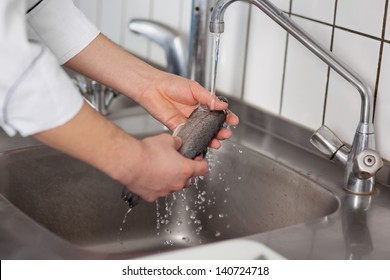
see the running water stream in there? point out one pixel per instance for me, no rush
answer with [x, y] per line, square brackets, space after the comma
[123, 224]
[214, 62]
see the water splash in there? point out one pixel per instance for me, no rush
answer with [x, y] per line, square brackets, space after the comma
[183, 214]
[123, 224]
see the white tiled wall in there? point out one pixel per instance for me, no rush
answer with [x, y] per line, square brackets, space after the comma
[382, 116]
[232, 51]
[305, 84]
[134, 43]
[280, 75]
[343, 104]
[315, 9]
[365, 16]
[265, 63]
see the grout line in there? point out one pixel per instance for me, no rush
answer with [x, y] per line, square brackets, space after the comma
[328, 72]
[242, 95]
[284, 65]
[341, 28]
[378, 73]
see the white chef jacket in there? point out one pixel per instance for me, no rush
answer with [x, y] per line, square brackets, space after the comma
[35, 93]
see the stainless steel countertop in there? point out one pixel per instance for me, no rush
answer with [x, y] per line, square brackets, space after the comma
[358, 229]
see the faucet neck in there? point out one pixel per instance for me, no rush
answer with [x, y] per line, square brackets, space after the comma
[361, 162]
[217, 26]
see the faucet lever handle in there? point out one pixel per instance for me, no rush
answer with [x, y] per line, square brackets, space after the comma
[329, 144]
[367, 163]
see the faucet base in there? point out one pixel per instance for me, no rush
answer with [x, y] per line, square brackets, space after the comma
[359, 186]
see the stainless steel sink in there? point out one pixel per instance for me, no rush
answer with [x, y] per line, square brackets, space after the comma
[243, 194]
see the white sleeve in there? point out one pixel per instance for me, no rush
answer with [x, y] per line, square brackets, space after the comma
[62, 27]
[35, 93]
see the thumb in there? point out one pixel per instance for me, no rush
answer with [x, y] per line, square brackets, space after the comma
[200, 168]
[177, 142]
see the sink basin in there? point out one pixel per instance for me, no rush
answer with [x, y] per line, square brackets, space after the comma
[243, 194]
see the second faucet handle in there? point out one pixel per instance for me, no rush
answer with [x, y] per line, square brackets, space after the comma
[367, 163]
[330, 145]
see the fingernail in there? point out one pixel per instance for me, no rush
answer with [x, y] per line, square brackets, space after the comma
[212, 104]
[178, 128]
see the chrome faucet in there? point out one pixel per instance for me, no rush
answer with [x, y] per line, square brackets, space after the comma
[167, 38]
[361, 161]
[97, 95]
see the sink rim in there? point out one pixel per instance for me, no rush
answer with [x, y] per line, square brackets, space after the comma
[330, 192]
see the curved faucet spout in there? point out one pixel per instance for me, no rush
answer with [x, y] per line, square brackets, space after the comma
[167, 38]
[361, 162]
[217, 26]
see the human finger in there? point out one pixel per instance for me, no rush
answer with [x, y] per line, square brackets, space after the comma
[232, 119]
[215, 144]
[204, 97]
[224, 134]
[199, 167]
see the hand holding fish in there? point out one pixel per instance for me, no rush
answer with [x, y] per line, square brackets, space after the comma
[159, 179]
[152, 167]
[171, 99]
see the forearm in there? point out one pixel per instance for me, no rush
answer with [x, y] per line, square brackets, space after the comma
[94, 140]
[150, 168]
[107, 63]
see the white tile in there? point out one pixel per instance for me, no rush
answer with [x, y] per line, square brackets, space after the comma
[90, 9]
[382, 111]
[306, 77]
[322, 10]
[361, 15]
[111, 19]
[132, 42]
[265, 62]
[387, 34]
[185, 17]
[167, 12]
[232, 50]
[282, 4]
[343, 102]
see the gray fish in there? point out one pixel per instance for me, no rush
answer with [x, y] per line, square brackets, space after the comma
[201, 127]
[196, 134]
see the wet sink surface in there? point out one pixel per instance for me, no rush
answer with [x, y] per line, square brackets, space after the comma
[244, 193]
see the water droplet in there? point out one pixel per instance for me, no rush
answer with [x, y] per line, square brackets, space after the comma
[123, 222]
[193, 215]
[169, 242]
[185, 238]
[217, 234]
